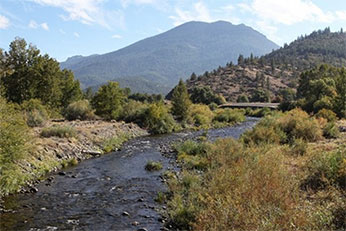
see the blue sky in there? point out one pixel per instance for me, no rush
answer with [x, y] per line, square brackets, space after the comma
[63, 28]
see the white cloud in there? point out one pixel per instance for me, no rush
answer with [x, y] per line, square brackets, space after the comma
[341, 15]
[4, 22]
[34, 25]
[116, 36]
[62, 31]
[87, 12]
[158, 4]
[45, 26]
[287, 12]
[76, 34]
[199, 13]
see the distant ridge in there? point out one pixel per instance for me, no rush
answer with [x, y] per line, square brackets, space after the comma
[156, 64]
[278, 71]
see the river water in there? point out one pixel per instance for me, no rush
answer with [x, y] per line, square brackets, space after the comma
[112, 192]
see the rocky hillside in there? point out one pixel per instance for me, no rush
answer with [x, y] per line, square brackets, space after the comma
[269, 76]
[157, 63]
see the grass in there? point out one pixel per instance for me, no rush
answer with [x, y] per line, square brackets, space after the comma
[59, 131]
[115, 142]
[153, 166]
[282, 175]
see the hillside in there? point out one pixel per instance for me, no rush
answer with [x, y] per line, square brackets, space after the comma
[158, 62]
[274, 73]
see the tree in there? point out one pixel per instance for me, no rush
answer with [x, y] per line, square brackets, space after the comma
[242, 99]
[240, 60]
[205, 95]
[109, 100]
[37, 76]
[323, 87]
[193, 76]
[180, 101]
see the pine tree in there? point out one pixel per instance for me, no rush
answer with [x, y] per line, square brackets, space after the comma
[181, 101]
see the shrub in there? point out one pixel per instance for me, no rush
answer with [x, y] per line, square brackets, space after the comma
[80, 110]
[36, 113]
[201, 114]
[284, 128]
[212, 106]
[329, 115]
[58, 131]
[229, 115]
[242, 99]
[331, 130]
[133, 111]
[297, 124]
[299, 147]
[153, 166]
[14, 146]
[325, 168]
[111, 144]
[157, 119]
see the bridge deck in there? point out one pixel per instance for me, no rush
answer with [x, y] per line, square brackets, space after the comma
[250, 105]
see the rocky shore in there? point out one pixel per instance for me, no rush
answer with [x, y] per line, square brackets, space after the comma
[54, 153]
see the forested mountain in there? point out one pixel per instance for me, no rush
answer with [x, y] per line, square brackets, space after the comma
[157, 63]
[274, 76]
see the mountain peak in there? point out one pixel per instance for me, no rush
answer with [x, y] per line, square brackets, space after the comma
[163, 59]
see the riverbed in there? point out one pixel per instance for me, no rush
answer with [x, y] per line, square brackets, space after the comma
[112, 192]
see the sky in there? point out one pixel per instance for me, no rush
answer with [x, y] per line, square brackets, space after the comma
[63, 28]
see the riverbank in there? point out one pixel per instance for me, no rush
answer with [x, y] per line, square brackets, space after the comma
[50, 154]
[112, 192]
[283, 174]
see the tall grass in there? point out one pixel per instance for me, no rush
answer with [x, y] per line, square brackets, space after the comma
[271, 179]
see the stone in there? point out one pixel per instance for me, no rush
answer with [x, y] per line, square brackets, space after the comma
[125, 214]
[142, 229]
[62, 173]
[135, 223]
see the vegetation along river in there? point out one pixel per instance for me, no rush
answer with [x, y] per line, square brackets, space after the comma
[112, 192]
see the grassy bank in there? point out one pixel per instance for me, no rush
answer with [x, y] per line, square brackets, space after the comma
[38, 151]
[283, 175]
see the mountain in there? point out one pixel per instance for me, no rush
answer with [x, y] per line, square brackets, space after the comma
[276, 73]
[158, 62]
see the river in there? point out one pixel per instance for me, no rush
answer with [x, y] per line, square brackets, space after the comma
[112, 192]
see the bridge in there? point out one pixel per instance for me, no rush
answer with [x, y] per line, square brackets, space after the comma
[250, 105]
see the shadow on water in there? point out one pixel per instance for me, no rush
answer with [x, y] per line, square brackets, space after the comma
[112, 192]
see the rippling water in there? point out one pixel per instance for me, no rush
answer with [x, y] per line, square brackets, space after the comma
[112, 192]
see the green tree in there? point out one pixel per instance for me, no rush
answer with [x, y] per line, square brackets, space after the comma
[323, 88]
[109, 100]
[38, 76]
[181, 101]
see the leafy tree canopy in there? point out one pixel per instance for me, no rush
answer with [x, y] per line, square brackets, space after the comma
[26, 74]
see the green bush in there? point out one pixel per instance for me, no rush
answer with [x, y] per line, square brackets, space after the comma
[331, 130]
[80, 110]
[133, 111]
[201, 114]
[326, 168]
[58, 131]
[157, 119]
[14, 145]
[229, 115]
[115, 142]
[36, 113]
[297, 124]
[153, 166]
[299, 147]
[284, 128]
[191, 147]
[329, 115]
